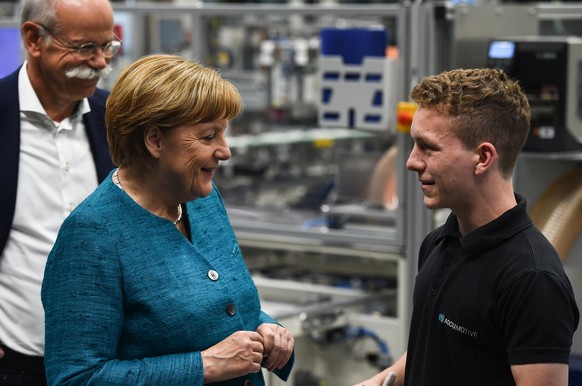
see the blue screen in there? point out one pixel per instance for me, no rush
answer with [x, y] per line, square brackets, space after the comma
[501, 50]
[10, 50]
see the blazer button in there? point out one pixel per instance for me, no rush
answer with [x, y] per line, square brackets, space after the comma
[213, 275]
[248, 382]
[230, 309]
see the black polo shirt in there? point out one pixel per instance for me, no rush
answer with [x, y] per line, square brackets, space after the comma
[496, 297]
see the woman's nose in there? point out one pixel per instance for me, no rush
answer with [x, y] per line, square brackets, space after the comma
[223, 152]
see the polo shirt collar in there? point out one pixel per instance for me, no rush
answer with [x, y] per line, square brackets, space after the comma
[492, 233]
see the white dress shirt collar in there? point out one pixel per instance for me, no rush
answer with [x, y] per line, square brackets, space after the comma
[30, 104]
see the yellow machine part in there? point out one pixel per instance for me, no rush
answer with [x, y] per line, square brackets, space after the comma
[558, 211]
[404, 114]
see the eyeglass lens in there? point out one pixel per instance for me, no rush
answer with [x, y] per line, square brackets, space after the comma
[109, 50]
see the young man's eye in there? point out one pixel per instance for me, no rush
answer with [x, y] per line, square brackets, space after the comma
[426, 146]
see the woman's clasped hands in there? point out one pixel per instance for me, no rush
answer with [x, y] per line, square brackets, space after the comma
[244, 352]
[278, 345]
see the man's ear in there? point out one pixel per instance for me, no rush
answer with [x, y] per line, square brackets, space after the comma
[487, 157]
[32, 38]
[153, 140]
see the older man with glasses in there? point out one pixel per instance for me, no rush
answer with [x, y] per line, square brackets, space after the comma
[53, 152]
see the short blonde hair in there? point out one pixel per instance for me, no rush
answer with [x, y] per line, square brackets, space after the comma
[166, 91]
[485, 105]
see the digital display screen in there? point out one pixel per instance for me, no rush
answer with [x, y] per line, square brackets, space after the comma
[10, 50]
[501, 49]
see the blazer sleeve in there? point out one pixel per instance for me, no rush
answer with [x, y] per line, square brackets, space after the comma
[9, 153]
[286, 370]
[82, 332]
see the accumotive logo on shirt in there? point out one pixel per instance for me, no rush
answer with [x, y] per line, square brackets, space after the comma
[463, 330]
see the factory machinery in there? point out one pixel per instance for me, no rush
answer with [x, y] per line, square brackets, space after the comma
[327, 216]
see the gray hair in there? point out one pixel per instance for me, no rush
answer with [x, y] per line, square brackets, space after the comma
[41, 11]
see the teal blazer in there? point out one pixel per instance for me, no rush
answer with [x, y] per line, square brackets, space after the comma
[130, 301]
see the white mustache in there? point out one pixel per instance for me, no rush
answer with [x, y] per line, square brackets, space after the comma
[86, 72]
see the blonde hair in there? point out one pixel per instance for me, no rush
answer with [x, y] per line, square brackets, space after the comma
[485, 106]
[166, 91]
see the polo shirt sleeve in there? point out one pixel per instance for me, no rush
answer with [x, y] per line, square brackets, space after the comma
[538, 316]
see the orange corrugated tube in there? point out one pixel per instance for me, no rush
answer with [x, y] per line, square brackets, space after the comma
[558, 211]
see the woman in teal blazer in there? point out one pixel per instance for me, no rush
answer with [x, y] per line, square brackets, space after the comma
[146, 283]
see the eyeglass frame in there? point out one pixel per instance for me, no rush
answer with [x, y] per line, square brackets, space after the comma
[113, 45]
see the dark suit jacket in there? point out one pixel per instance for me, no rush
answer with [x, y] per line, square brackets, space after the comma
[10, 146]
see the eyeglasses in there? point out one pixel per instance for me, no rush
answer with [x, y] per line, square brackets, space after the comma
[87, 50]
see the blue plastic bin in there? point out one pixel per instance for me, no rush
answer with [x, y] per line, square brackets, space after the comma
[353, 44]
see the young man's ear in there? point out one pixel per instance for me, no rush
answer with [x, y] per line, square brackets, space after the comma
[487, 156]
